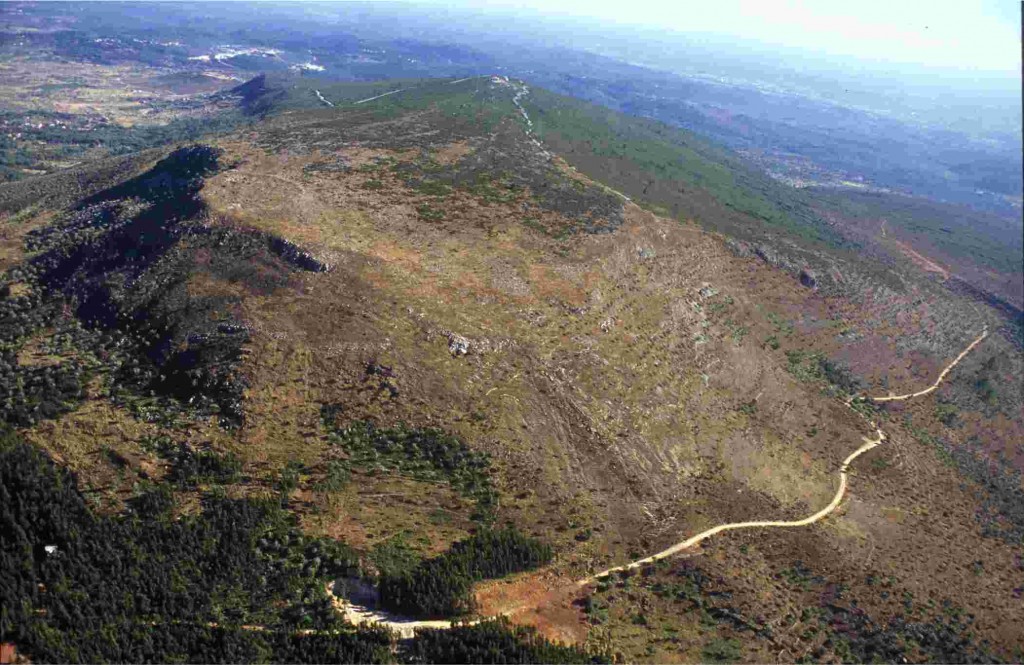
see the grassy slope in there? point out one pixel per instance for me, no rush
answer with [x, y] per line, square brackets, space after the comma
[680, 408]
[642, 156]
[671, 169]
[281, 93]
[985, 239]
[677, 174]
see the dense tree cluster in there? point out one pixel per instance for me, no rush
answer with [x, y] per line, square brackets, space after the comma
[236, 582]
[441, 587]
[191, 467]
[425, 453]
[111, 274]
[494, 641]
[30, 394]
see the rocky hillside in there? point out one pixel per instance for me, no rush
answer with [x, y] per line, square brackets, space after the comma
[417, 345]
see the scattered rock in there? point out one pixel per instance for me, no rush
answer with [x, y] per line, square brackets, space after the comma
[707, 291]
[457, 345]
[739, 248]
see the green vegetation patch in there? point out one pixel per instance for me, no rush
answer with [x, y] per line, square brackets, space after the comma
[441, 587]
[722, 650]
[429, 213]
[657, 163]
[190, 467]
[494, 641]
[494, 190]
[427, 454]
[839, 381]
[144, 587]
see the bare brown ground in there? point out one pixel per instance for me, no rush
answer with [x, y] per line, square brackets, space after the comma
[612, 393]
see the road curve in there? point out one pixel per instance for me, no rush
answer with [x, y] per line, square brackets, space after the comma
[942, 376]
[407, 628]
[824, 512]
[703, 535]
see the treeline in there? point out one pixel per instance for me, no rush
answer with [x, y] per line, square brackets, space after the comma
[494, 641]
[673, 169]
[235, 583]
[146, 586]
[64, 143]
[442, 586]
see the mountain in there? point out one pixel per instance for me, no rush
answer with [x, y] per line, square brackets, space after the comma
[460, 345]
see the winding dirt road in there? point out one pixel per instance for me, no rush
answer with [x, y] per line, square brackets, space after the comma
[703, 535]
[407, 628]
[821, 514]
[949, 368]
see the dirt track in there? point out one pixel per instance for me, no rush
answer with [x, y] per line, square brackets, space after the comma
[942, 376]
[824, 512]
[694, 540]
[407, 628]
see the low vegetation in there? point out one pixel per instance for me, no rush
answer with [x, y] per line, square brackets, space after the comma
[163, 340]
[441, 587]
[659, 164]
[494, 641]
[426, 454]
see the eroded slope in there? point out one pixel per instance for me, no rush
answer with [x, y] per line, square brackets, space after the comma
[605, 379]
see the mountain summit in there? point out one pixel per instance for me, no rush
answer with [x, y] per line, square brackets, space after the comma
[451, 347]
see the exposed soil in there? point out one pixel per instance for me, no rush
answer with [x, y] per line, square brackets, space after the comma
[633, 378]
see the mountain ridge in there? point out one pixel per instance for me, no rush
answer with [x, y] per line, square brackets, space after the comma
[426, 327]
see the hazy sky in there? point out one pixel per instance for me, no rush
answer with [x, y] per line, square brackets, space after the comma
[961, 34]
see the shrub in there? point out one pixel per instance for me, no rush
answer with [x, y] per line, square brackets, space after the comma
[722, 651]
[441, 586]
[429, 213]
[422, 453]
[494, 641]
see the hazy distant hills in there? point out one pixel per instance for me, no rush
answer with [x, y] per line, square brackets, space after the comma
[780, 122]
[299, 322]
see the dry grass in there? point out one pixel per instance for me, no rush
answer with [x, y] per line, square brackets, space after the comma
[13, 230]
[31, 354]
[375, 508]
[101, 445]
[635, 387]
[452, 153]
[622, 407]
